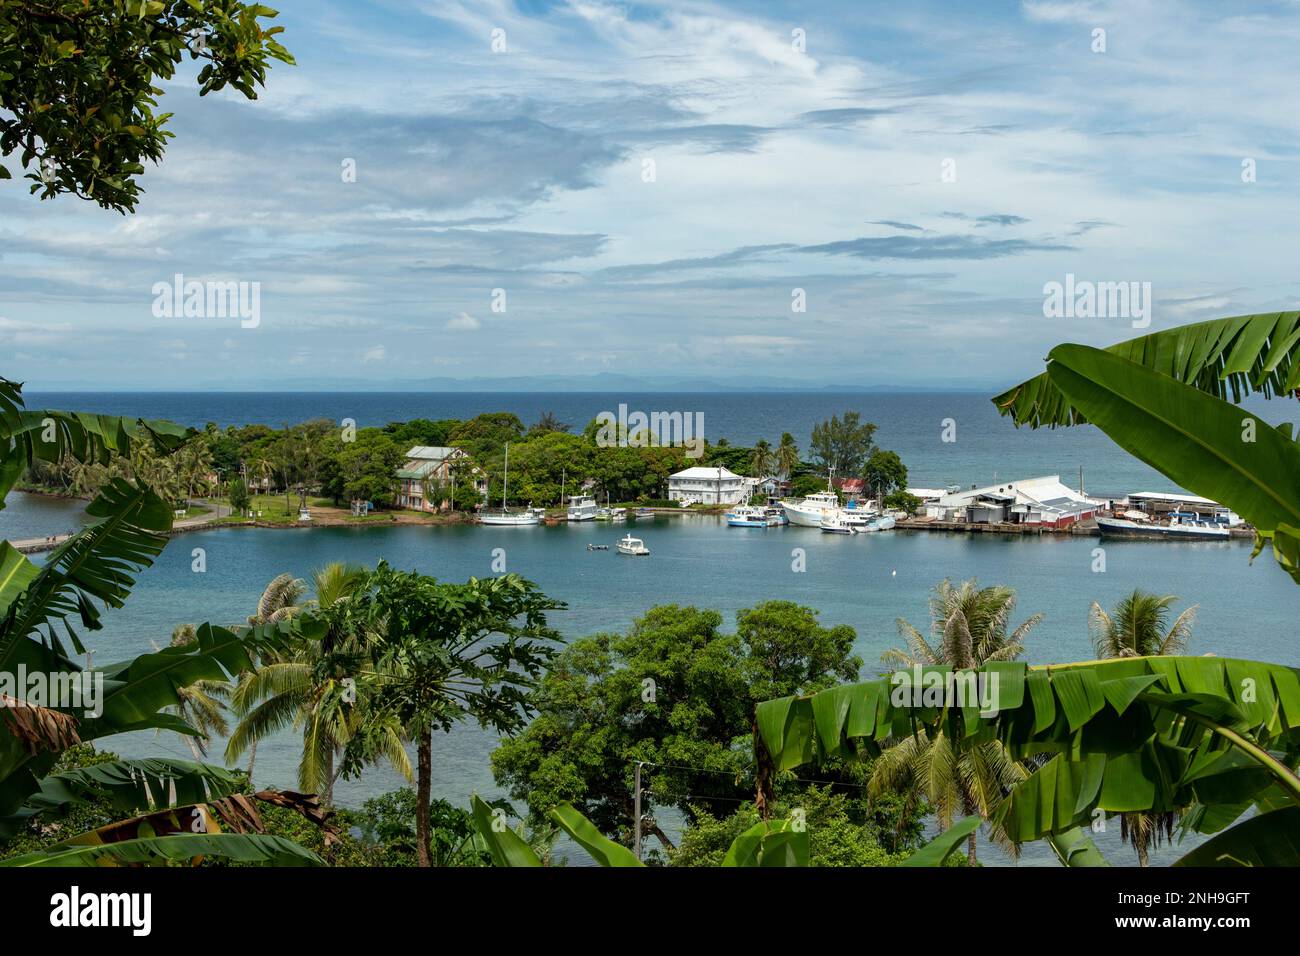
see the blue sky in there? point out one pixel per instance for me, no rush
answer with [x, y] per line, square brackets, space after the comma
[775, 169]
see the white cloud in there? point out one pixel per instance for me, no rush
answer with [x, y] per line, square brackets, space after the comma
[463, 322]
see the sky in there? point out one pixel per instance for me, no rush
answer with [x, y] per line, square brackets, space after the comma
[860, 194]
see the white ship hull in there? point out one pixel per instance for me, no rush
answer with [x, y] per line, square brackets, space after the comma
[808, 516]
[510, 519]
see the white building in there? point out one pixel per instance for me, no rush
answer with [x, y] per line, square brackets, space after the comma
[708, 486]
[1036, 501]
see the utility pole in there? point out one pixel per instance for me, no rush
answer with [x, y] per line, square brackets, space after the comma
[636, 811]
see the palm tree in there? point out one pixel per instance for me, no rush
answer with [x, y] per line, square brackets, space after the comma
[314, 686]
[969, 627]
[279, 601]
[1139, 627]
[787, 456]
[201, 704]
[761, 460]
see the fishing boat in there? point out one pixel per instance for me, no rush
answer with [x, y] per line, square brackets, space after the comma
[582, 508]
[810, 511]
[776, 517]
[633, 546]
[504, 516]
[1181, 526]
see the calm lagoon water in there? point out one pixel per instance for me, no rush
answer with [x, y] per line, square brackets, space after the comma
[866, 581]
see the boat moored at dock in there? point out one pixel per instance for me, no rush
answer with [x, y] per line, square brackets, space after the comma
[1180, 527]
[582, 508]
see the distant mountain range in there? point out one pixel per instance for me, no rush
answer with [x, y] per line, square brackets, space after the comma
[600, 382]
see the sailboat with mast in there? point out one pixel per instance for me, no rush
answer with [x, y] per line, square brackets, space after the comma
[504, 516]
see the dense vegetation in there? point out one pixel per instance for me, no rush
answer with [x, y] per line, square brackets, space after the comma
[344, 464]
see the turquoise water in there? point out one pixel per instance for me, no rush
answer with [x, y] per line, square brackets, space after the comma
[865, 581]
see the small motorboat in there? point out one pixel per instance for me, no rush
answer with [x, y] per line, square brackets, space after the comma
[644, 513]
[835, 524]
[633, 546]
[618, 514]
[597, 547]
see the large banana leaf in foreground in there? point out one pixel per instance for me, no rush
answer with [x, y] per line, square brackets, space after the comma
[1147, 733]
[135, 693]
[48, 435]
[937, 851]
[1225, 358]
[176, 848]
[770, 843]
[168, 835]
[1207, 445]
[1270, 839]
[97, 564]
[128, 785]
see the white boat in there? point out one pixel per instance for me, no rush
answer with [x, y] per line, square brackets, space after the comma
[809, 512]
[632, 546]
[748, 517]
[503, 516]
[883, 523]
[835, 524]
[618, 514]
[582, 508]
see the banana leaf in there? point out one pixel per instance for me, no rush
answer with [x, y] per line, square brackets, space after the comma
[175, 848]
[1225, 358]
[937, 851]
[1270, 839]
[96, 564]
[135, 784]
[506, 846]
[84, 436]
[1074, 848]
[1203, 443]
[770, 843]
[602, 849]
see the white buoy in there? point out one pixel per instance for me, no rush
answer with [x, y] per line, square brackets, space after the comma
[893, 574]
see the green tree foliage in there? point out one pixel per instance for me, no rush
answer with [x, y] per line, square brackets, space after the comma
[422, 431]
[364, 468]
[839, 834]
[80, 83]
[446, 653]
[843, 445]
[884, 472]
[902, 501]
[674, 691]
[485, 436]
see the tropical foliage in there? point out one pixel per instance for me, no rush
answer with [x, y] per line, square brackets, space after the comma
[80, 82]
[1217, 739]
[1162, 398]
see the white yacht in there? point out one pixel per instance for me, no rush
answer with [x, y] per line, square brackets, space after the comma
[809, 512]
[633, 546]
[503, 515]
[582, 508]
[835, 524]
